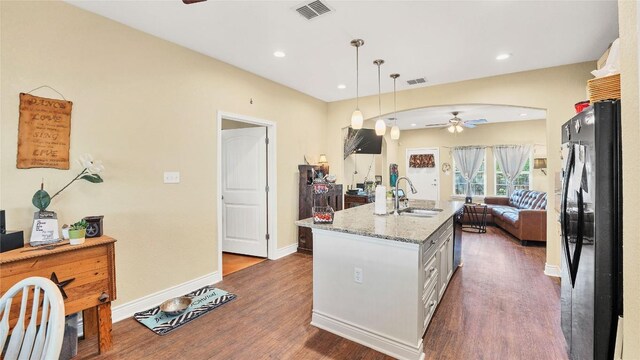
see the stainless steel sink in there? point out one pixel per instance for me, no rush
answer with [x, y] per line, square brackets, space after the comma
[420, 212]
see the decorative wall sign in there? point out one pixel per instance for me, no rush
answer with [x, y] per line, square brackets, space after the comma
[422, 161]
[43, 133]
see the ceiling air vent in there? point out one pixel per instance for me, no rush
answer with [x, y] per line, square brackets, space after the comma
[417, 81]
[312, 9]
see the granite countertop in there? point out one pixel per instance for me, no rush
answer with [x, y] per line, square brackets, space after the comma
[360, 220]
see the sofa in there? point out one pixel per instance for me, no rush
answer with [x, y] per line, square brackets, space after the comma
[523, 214]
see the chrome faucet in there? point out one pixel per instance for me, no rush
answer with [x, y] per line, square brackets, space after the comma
[396, 205]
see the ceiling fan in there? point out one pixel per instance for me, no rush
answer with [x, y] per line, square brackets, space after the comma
[457, 125]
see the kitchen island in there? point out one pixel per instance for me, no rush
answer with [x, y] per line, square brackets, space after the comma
[377, 279]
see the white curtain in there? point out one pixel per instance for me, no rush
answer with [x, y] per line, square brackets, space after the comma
[468, 160]
[511, 159]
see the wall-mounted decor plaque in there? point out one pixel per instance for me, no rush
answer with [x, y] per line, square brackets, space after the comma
[43, 133]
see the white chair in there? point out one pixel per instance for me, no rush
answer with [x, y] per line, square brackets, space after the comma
[33, 341]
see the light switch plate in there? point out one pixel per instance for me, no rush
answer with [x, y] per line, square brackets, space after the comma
[171, 177]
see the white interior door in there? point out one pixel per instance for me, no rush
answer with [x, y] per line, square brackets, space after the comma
[244, 195]
[425, 179]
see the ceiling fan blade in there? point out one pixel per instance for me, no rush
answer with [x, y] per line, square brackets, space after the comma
[436, 125]
[192, 1]
[477, 121]
[467, 125]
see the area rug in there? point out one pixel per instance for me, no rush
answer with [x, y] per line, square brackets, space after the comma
[204, 300]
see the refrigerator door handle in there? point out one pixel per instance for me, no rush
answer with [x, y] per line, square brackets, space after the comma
[579, 237]
[564, 222]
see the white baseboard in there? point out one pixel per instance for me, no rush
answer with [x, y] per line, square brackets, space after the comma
[282, 252]
[127, 310]
[552, 270]
[367, 338]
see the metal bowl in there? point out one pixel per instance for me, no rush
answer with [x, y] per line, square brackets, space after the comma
[175, 306]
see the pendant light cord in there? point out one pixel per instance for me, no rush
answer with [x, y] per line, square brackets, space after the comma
[379, 98]
[357, 77]
[395, 111]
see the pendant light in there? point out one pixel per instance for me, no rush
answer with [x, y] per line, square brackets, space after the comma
[356, 118]
[381, 127]
[395, 130]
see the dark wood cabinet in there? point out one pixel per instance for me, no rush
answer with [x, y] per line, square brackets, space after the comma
[357, 200]
[306, 199]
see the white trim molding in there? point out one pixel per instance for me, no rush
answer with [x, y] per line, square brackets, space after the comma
[552, 270]
[386, 345]
[287, 250]
[272, 196]
[127, 310]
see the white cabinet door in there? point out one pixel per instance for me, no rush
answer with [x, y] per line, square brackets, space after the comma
[450, 256]
[442, 269]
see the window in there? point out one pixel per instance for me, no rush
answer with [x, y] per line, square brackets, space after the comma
[523, 181]
[478, 183]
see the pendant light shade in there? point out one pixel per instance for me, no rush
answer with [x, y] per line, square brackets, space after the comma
[356, 117]
[381, 127]
[451, 129]
[395, 130]
[459, 128]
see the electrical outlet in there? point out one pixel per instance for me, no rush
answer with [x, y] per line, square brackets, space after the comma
[357, 275]
[171, 177]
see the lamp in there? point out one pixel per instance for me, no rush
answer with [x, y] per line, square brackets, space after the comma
[540, 164]
[381, 127]
[356, 118]
[395, 130]
[451, 129]
[323, 159]
[459, 128]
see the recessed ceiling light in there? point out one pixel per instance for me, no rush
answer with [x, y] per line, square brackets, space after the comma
[414, 124]
[523, 114]
[503, 56]
[279, 54]
[342, 86]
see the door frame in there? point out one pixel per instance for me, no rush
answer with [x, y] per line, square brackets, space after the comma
[434, 149]
[272, 195]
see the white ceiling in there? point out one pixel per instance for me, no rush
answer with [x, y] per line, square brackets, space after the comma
[441, 115]
[444, 41]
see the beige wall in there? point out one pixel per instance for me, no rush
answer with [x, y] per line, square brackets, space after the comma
[629, 15]
[143, 106]
[554, 89]
[522, 132]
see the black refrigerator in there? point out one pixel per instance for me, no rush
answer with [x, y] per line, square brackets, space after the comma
[591, 222]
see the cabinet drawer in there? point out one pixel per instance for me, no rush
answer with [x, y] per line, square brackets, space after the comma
[90, 268]
[430, 274]
[430, 302]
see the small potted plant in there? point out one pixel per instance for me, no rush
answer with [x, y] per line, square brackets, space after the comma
[77, 232]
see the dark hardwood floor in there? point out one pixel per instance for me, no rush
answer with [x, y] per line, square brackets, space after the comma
[499, 305]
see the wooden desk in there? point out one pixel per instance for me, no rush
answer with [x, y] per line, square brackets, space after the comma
[92, 268]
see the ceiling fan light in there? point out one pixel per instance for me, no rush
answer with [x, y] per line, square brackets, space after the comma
[357, 119]
[381, 127]
[459, 128]
[451, 129]
[395, 132]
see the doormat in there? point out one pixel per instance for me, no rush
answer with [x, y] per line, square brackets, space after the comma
[204, 300]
